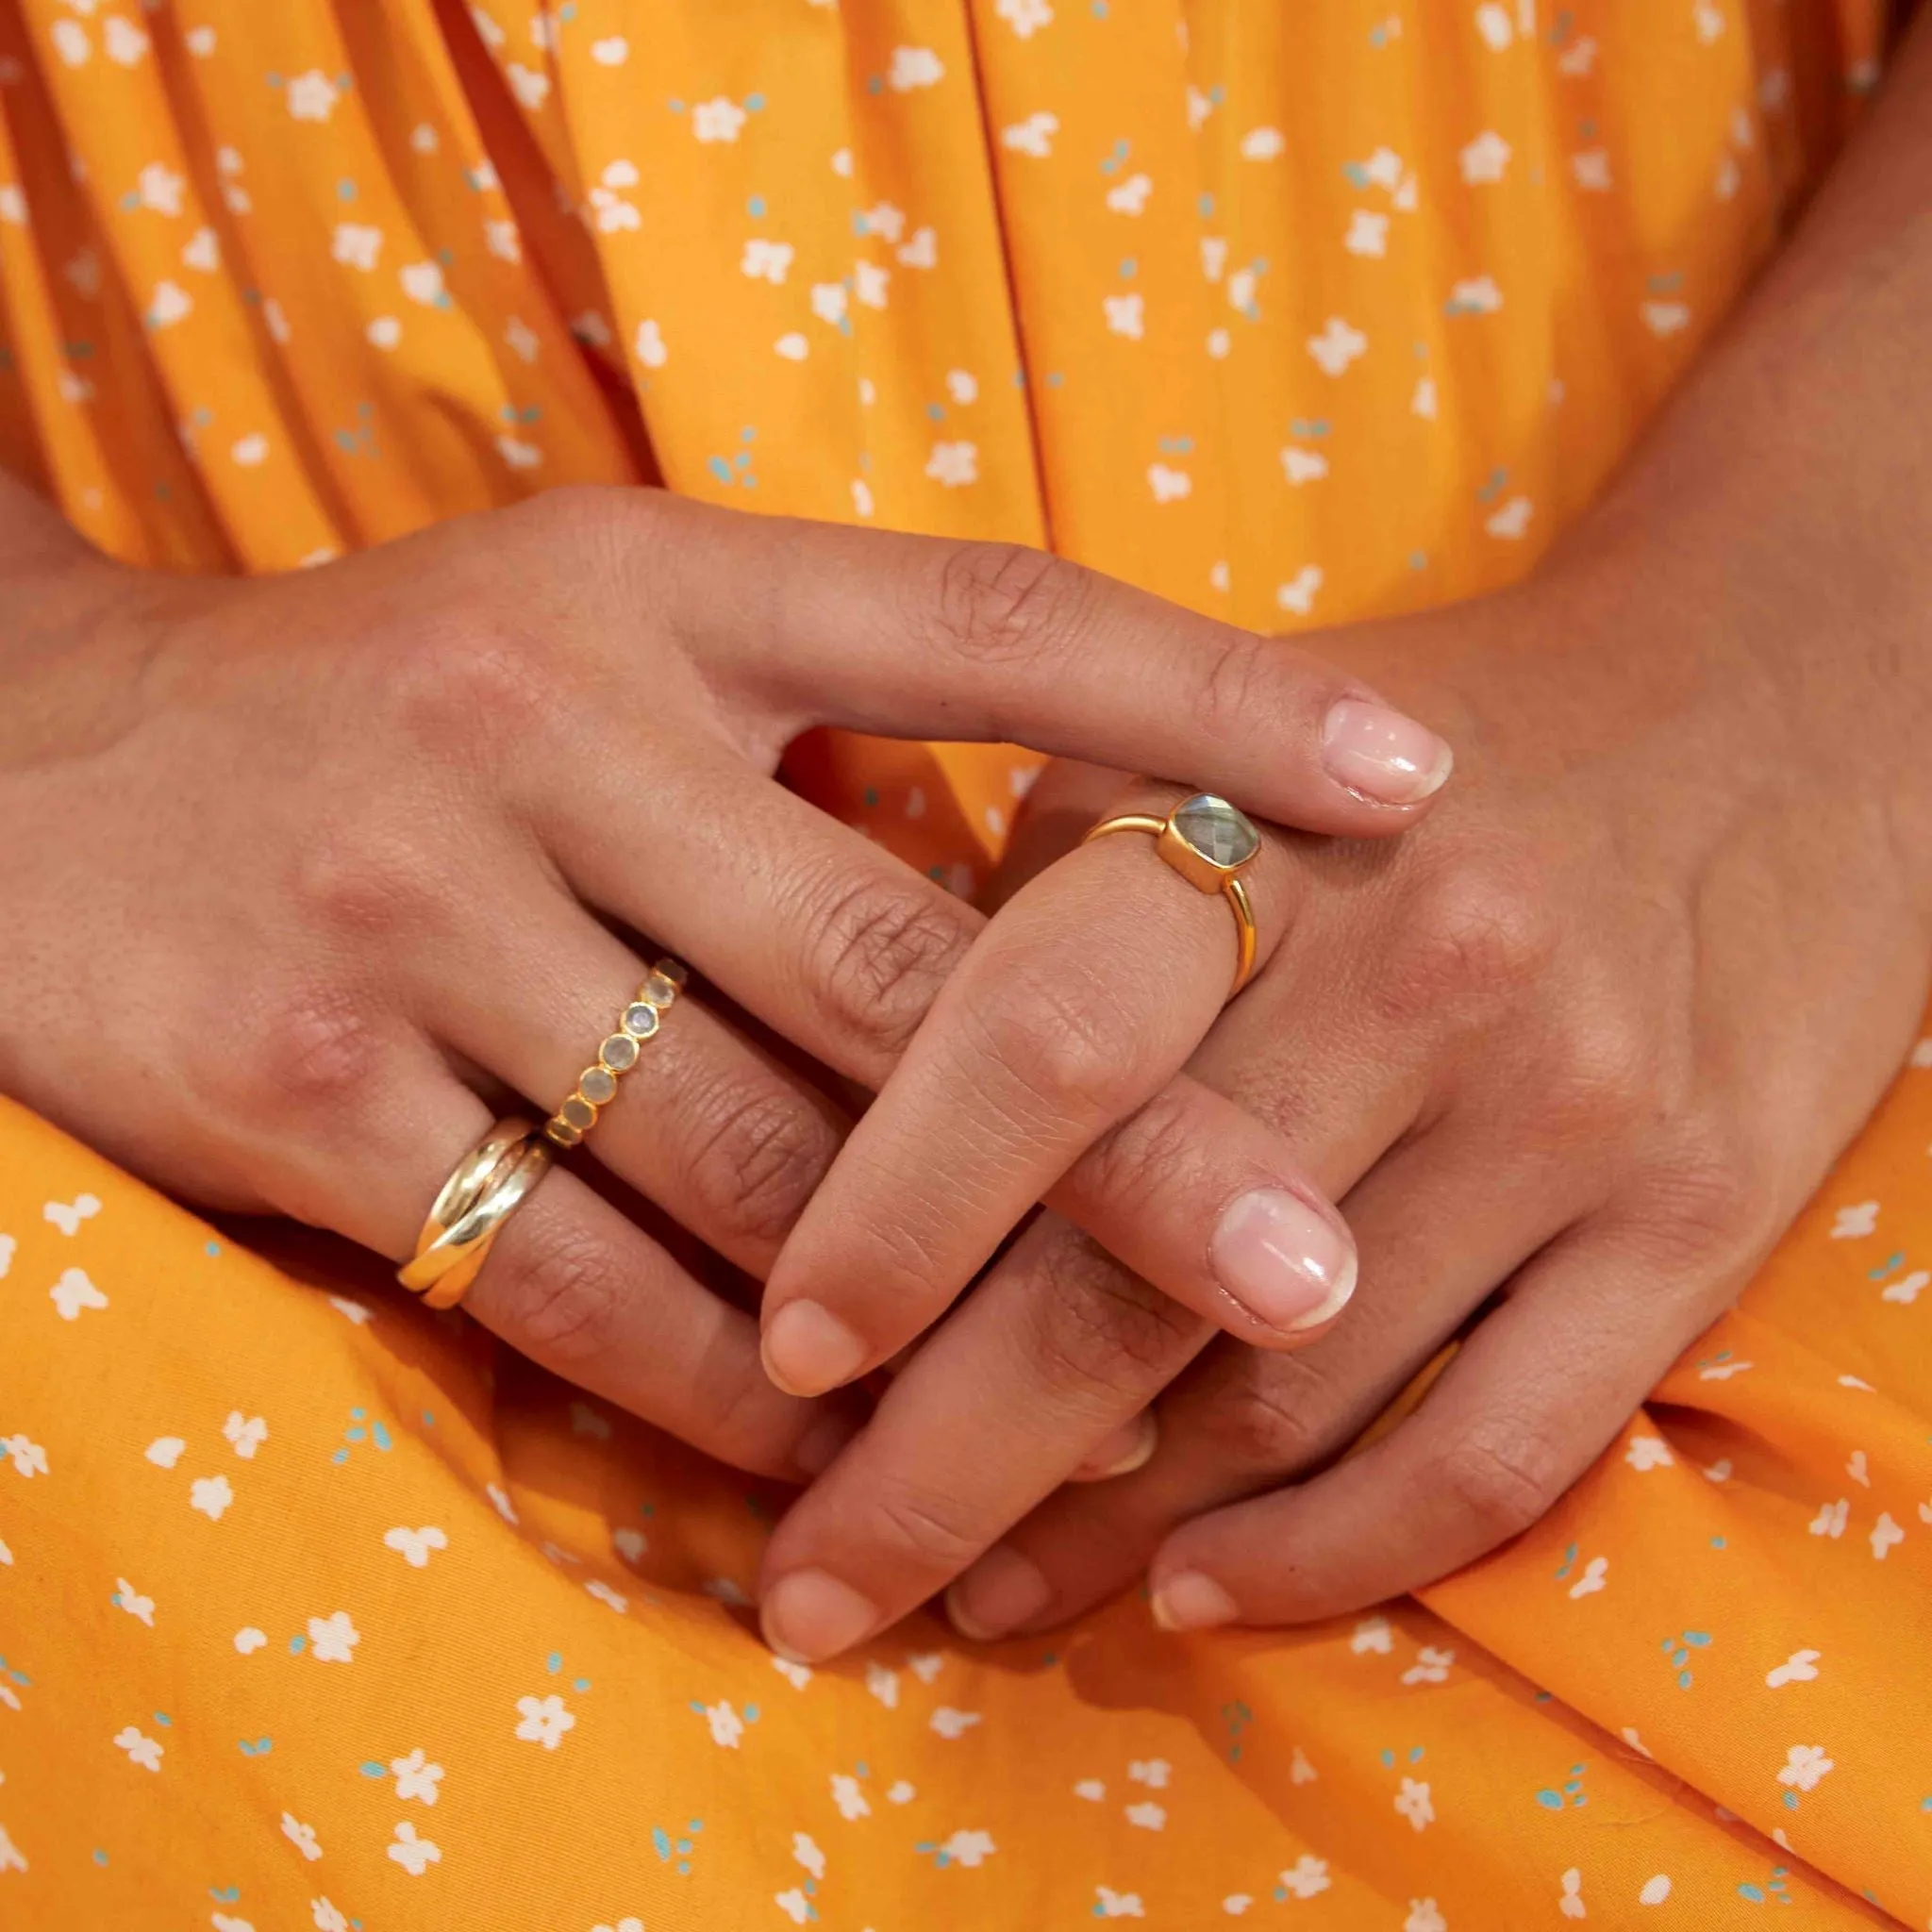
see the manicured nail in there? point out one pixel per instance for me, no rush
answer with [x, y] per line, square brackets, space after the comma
[1382, 754]
[1287, 1266]
[1001, 1592]
[1123, 1452]
[808, 1349]
[810, 1615]
[1190, 1601]
[816, 1449]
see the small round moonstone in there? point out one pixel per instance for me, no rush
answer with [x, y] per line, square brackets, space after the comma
[577, 1112]
[618, 1053]
[640, 1021]
[598, 1084]
[1220, 832]
[674, 970]
[658, 990]
[563, 1133]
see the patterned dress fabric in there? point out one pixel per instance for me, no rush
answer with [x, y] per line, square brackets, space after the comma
[318, 1610]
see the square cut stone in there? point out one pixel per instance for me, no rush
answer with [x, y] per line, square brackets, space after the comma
[618, 1053]
[1220, 832]
[640, 1021]
[599, 1084]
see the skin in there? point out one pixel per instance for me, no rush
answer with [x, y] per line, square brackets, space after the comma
[1572, 1056]
[307, 878]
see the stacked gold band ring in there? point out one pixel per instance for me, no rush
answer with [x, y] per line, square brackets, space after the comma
[598, 1085]
[484, 1190]
[1210, 843]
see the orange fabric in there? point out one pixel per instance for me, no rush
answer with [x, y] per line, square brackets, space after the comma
[316, 1609]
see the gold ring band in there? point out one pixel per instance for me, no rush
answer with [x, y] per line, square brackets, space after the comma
[1210, 843]
[484, 1188]
[597, 1084]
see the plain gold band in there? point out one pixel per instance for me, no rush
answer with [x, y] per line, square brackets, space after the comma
[1231, 889]
[483, 1191]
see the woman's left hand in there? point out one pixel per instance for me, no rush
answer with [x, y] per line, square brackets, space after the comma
[1589, 1037]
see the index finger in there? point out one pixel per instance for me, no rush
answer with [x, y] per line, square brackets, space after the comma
[922, 637]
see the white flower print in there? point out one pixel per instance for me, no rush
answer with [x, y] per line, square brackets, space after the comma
[1831, 1517]
[1129, 197]
[1589, 168]
[249, 1640]
[1431, 1666]
[245, 1434]
[1026, 17]
[1303, 465]
[422, 282]
[1856, 1468]
[384, 332]
[332, 1640]
[1595, 1571]
[10, 1856]
[1337, 346]
[141, 1750]
[1422, 1915]
[416, 1778]
[1804, 1766]
[1298, 593]
[1854, 1222]
[869, 283]
[885, 220]
[1306, 1878]
[133, 1602]
[72, 1292]
[1571, 1902]
[1126, 315]
[1908, 1289]
[1666, 318]
[726, 1726]
[1368, 233]
[1117, 1904]
[648, 345]
[1800, 1667]
[969, 1849]
[1169, 485]
[545, 1721]
[1648, 1452]
[1493, 24]
[7, 1248]
[767, 262]
[851, 1800]
[1092, 1789]
[160, 189]
[828, 302]
[792, 346]
[605, 1594]
[922, 250]
[1372, 1633]
[1885, 1533]
[1147, 1815]
[954, 464]
[521, 339]
[501, 1501]
[530, 85]
[211, 1495]
[610, 52]
[301, 1835]
[353, 1312]
[1484, 158]
[123, 42]
[1032, 136]
[949, 1723]
[804, 1850]
[500, 238]
[164, 1452]
[793, 1904]
[71, 42]
[1300, 1771]
[356, 245]
[913, 67]
[1413, 1801]
[1478, 295]
[202, 252]
[327, 1918]
[518, 454]
[414, 1546]
[962, 387]
[414, 1855]
[628, 1923]
[903, 1794]
[1155, 1773]
[718, 118]
[311, 96]
[1262, 143]
[68, 1215]
[1509, 521]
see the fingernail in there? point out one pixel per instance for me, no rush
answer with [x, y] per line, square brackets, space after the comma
[1123, 1452]
[1285, 1264]
[1190, 1601]
[810, 1615]
[1001, 1592]
[815, 1449]
[807, 1349]
[1383, 753]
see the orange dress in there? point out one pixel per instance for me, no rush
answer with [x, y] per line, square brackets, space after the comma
[317, 1610]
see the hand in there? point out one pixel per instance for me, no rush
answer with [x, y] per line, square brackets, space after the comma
[303, 868]
[1589, 1037]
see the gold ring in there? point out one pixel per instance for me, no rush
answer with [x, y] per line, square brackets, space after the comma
[485, 1188]
[598, 1085]
[1210, 843]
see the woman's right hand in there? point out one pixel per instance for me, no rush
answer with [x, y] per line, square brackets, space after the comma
[297, 869]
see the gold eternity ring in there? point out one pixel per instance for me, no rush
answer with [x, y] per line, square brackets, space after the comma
[485, 1188]
[1210, 843]
[597, 1084]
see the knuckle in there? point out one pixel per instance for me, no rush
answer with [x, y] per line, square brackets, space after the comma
[1600, 1075]
[881, 954]
[312, 1055]
[1502, 1477]
[1100, 1333]
[563, 1303]
[1235, 681]
[1476, 935]
[1711, 1199]
[364, 880]
[1062, 1037]
[927, 1527]
[470, 681]
[1275, 1417]
[1152, 1155]
[1008, 604]
[756, 1156]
